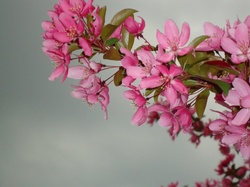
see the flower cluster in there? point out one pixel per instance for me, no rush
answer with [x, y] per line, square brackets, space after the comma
[75, 33]
[169, 82]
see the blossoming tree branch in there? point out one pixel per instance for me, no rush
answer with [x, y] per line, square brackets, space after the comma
[169, 83]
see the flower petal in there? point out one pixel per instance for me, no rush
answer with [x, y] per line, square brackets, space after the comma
[233, 98]
[166, 119]
[241, 87]
[245, 152]
[241, 34]
[230, 139]
[151, 82]
[185, 34]
[166, 57]
[230, 46]
[140, 116]
[76, 72]
[245, 101]
[241, 117]
[130, 94]
[67, 20]
[217, 125]
[179, 86]
[171, 30]
[136, 72]
[162, 40]
[58, 71]
[85, 46]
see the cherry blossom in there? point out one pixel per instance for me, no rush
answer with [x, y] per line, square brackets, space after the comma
[176, 118]
[85, 70]
[134, 27]
[214, 42]
[240, 96]
[172, 41]
[92, 90]
[141, 113]
[67, 28]
[148, 66]
[76, 7]
[240, 137]
[165, 82]
[168, 81]
[238, 46]
[61, 58]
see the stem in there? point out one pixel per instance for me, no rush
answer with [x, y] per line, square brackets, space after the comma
[246, 70]
[146, 41]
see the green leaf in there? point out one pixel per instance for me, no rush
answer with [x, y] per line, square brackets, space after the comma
[220, 86]
[89, 20]
[217, 67]
[121, 16]
[224, 86]
[119, 75]
[112, 54]
[198, 40]
[190, 60]
[111, 41]
[157, 93]
[148, 91]
[127, 39]
[102, 14]
[201, 103]
[107, 31]
[73, 47]
[190, 83]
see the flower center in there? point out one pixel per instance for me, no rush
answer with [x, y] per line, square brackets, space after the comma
[71, 32]
[76, 8]
[174, 48]
[243, 46]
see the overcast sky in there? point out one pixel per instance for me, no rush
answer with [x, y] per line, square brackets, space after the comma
[49, 139]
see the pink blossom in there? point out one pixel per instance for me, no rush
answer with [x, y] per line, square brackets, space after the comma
[129, 59]
[92, 90]
[57, 10]
[127, 81]
[82, 72]
[240, 137]
[148, 66]
[76, 7]
[247, 21]
[173, 184]
[61, 58]
[68, 29]
[238, 46]
[209, 183]
[133, 27]
[153, 116]
[168, 81]
[140, 115]
[49, 28]
[218, 125]
[96, 25]
[51, 44]
[244, 182]
[104, 99]
[86, 46]
[240, 96]
[172, 41]
[176, 118]
[214, 42]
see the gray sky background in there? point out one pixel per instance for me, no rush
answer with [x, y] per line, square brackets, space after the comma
[48, 139]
